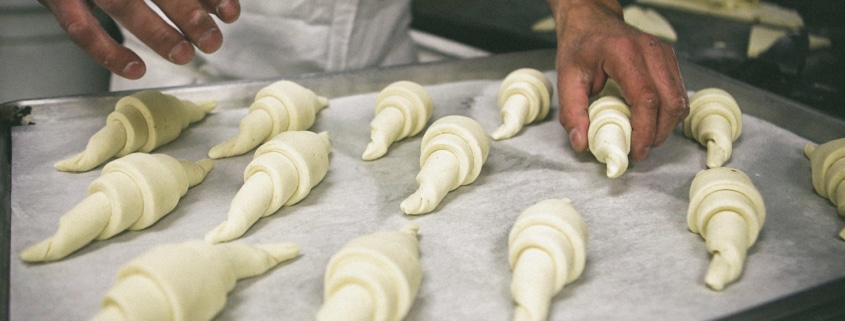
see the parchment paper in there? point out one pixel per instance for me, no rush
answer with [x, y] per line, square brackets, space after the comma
[642, 261]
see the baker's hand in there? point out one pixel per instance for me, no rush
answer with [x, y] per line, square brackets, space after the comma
[594, 43]
[191, 17]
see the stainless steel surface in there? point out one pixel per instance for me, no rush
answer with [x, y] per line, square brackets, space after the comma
[781, 113]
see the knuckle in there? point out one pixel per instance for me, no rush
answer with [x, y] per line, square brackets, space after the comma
[677, 107]
[163, 36]
[199, 17]
[621, 44]
[648, 99]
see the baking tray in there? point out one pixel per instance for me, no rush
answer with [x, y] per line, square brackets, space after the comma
[641, 263]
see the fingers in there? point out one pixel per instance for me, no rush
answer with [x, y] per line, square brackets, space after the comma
[674, 104]
[75, 17]
[194, 21]
[227, 10]
[634, 79]
[647, 71]
[192, 24]
[574, 88]
[193, 18]
[140, 20]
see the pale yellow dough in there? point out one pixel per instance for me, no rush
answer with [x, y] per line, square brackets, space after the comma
[827, 166]
[546, 250]
[140, 122]
[402, 110]
[650, 22]
[282, 172]
[715, 121]
[646, 20]
[524, 97]
[728, 212]
[746, 10]
[133, 192]
[452, 152]
[186, 281]
[279, 107]
[609, 134]
[374, 277]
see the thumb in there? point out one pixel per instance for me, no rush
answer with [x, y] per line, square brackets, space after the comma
[574, 93]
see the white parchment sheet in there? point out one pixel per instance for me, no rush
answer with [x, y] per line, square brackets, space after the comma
[642, 261]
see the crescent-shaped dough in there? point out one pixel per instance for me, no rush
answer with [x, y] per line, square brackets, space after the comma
[402, 110]
[374, 277]
[452, 152]
[186, 281]
[132, 192]
[282, 172]
[140, 122]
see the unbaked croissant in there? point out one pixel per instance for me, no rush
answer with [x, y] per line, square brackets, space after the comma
[140, 122]
[546, 250]
[282, 172]
[609, 134]
[728, 212]
[524, 97]
[402, 110]
[827, 165]
[714, 121]
[374, 277]
[133, 192]
[186, 281]
[281, 106]
[452, 152]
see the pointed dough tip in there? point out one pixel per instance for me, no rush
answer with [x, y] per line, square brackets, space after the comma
[281, 251]
[208, 105]
[322, 102]
[503, 132]
[374, 151]
[809, 148]
[411, 228]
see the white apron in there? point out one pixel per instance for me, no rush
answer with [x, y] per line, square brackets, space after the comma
[282, 38]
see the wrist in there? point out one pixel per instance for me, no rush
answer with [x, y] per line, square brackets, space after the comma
[579, 14]
[561, 8]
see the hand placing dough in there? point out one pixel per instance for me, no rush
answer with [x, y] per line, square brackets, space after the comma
[282, 172]
[609, 134]
[453, 150]
[282, 106]
[133, 192]
[715, 121]
[140, 122]
[186, 281]
[524, 97]
[373, 277]
[402, 110]
[546, 250]
[728, 211]
[827, 165]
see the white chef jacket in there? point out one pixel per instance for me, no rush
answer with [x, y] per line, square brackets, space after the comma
[278, 38]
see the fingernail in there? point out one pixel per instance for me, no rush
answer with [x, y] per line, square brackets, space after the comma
[576, 140]
[209, 41]
[133, 70]
[182, 53]
[226, 11]
[643, 152]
